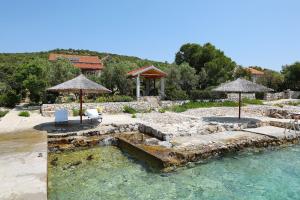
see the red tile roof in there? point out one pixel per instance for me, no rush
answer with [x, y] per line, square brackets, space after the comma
[82, 62]
[255, 71]
[132, 72]
[147, 72]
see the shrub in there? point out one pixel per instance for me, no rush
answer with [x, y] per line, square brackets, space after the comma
[259, 95]
[3, 113]
[178, 108]
[278, 105]
[162, 110]
[115, 98]
[253, 101]
[9, 99]
[176, 94]
[133, 116]
[128, 109]
[24, 114]
[294, 103]
[76, 112]
[50, 97]
[206, 95]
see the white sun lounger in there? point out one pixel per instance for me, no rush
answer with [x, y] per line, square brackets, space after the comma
[61, 116]
[93, 114]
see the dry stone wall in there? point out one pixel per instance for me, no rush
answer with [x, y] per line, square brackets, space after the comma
[235, 96]
[287, 94]
[109, 107]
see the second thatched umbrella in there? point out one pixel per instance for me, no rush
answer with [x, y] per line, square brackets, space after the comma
[241, 86]
[80, 85]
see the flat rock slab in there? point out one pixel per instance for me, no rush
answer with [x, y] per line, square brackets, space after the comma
[274, 132]
[220, 138]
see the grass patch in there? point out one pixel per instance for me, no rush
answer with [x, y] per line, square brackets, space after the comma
[279, 105]
[162, 110]
[294, 103]
[193, 105]
[76, 112]
[252, 101]
[130, 110]
[24, 114]
[3, 113]
[114, 98]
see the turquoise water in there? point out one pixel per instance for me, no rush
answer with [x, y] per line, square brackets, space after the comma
[111, 175]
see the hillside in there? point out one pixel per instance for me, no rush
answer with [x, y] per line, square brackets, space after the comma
[14, 59]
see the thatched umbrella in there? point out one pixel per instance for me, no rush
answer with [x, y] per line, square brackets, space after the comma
[80, 85]
[241, 86]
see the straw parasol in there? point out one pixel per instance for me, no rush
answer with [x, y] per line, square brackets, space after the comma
[80, 85]
[241, 86]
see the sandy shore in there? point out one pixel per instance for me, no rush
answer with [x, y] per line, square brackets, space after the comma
[23, 166]
[11, 122]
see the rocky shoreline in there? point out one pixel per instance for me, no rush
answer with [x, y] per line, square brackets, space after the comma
[176, 139]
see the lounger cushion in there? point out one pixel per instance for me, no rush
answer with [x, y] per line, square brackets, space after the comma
[61, 115]
[92, 114]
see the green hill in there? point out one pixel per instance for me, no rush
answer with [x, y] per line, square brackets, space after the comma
[14, 59]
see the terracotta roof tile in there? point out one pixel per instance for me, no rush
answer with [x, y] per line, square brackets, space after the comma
[255, 71]
[147, 72]
[83, 62]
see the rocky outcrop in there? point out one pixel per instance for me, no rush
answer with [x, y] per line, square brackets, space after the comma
[279, 113]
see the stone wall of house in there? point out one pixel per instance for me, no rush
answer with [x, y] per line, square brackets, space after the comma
[287, 94]
[109, 107]
[235, 96]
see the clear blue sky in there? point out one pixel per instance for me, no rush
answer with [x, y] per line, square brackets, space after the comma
[256, 32]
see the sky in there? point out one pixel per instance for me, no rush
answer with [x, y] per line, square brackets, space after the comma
[252, 32]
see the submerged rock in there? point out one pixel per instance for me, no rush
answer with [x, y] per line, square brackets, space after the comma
[54, 161]
[90, 157]
[72, 165]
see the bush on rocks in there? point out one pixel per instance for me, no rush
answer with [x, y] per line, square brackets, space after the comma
[3, 113]
[9, 99]
[76, 112]
[176, 94]
[24, 114]
[114, 98]
[206, 95]
[128, 109]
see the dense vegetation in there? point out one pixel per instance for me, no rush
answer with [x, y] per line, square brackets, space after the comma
[197, 69]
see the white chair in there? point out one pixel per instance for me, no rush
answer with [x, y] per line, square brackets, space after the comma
[61, 116]
[93, 114]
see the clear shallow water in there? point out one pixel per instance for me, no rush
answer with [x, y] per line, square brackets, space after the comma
[111, 175]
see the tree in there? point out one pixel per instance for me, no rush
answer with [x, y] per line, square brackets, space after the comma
[240, 72]
[219, 70]
[188, 77]
[292, 76]
[9, 98]
[271, 79]
[36, 86]
[210, 63]
[33, 77]
[114, 77]
[180, 81]
[60, 71]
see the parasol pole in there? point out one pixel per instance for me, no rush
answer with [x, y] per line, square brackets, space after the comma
[240, 105]
[80, 97]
